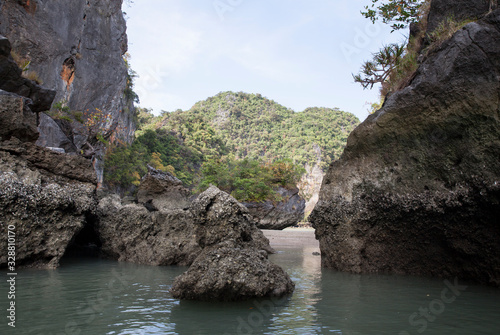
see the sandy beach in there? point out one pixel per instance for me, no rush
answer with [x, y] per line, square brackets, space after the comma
[292, 237]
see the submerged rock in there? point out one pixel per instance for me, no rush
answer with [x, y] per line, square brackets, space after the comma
[285, 213]
[227, 273]
[233, 264]
[417, 189]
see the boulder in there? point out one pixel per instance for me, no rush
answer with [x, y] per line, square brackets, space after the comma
[233, 264]
[132, 233]
[227, 273]
[417, 189]
[161, 191]
[219, 217]
[46, 212]
[285, 213]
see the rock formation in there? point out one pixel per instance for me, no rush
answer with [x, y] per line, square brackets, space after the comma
[310, 185]
[233, 264]
[134, 234]
[76, 48]
[161, 191]
[286, 213]
[417, 189]
[45, 197]
[219, 217]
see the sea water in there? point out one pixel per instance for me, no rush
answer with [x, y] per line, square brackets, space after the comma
[93, 296]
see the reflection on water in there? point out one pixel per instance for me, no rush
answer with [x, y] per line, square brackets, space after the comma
[103, 297]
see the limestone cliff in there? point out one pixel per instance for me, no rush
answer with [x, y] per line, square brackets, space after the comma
[46, 198]
[417, 189]
[75, 48]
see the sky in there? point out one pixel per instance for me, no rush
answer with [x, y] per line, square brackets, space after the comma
[299, 53]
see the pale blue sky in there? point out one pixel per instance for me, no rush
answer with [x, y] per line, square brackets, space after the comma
[300, 53]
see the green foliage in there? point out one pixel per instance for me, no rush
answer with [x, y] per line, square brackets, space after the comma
[124, 165]
[382, 67]
[252, 126]
[129, 92]
[100, 137]
[161, 149]
[247, 179]
[398, 12]
[243, 143]
[444, 31]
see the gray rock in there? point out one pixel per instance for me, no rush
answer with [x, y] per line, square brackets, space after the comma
[12, 81]
[233, 264]
[286, 213]
[219, 217]
[226, 273]
[52, 136]
[16, 118]
[417, 189]
[47, 210]
[132, 233]
[76, 48]
[161, 191]
[459, 10]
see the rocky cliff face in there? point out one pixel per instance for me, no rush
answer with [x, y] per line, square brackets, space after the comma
[417, 189]
[46, 198]
[76, 48]
[310, 185]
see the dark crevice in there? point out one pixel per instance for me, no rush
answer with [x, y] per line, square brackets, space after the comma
[87, 242]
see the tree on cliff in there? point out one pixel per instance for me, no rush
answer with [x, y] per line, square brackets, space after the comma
[398, 12]
[394, 65]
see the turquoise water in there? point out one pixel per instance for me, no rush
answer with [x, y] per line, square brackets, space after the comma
[96, 297]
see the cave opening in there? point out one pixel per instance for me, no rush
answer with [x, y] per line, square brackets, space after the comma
[87, 242]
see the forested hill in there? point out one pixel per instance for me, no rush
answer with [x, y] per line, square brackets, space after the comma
[252, 126]
[238, 125]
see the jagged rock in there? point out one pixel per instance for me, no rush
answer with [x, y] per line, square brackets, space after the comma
[161, 191]
[226, 273]
[219, 217]
[132, 233]
[458, 10]
[16, 118]
[11, 80]
[46, 214]
[52, 136]
[45, 197]
[233, 264]
[72, 167]
[286, 213]
[417, 189]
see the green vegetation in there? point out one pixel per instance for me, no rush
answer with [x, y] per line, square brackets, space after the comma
[244, 143]
[398, 12]
[249, 180]
[394, 66]
[129, 92]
